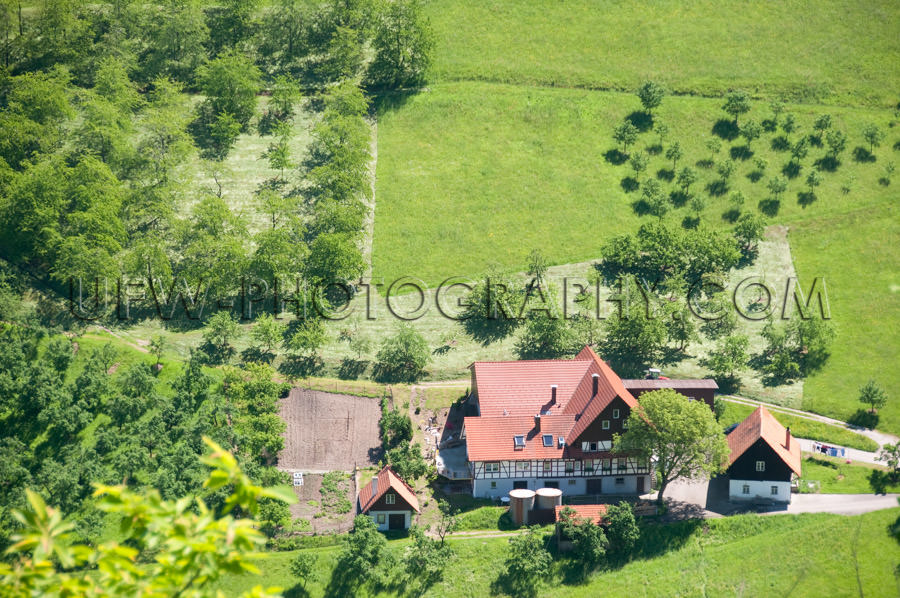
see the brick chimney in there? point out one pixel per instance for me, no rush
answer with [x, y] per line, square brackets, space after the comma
[553, 394]
[787, 438]
[595, 381]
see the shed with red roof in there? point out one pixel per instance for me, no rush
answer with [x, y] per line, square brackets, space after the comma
[389, 501]
[764, 458]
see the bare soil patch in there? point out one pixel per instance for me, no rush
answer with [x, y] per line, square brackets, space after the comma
[310, 507]
[328, 432]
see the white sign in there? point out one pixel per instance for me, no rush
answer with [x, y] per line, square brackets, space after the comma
[298, 478]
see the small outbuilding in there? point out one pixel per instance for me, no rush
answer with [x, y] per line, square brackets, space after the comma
[764, 457]
[389, 501]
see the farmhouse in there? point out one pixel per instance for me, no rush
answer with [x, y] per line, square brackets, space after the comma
[388, 501]
[764, 457]
[550, 423]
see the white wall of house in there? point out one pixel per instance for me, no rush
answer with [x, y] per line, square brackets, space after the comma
[383, 526]
[754, 489]
[485, 488]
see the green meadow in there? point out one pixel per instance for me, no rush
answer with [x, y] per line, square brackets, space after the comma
[832, 51]
[746, 555]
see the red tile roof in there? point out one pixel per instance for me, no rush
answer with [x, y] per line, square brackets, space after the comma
[593, 512]
[491, 438]
[386, 480]
[762, 424]
[645, 384]
[511, 393]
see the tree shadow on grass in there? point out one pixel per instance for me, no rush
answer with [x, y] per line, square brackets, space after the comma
[731, 216]
[257, 355]
[717, 188]
[792, 169]
[654, 149]
[827, 164]
[490, 330]
[806, 198]
[880, 480]
[641, 120]
[690, 222]
[780, 144]
[297, 591]
[769, 125]
[352, 369]
[754, 175]
[726, 129]
[770, 207]
[665, 174]
[863, 418]
[678, 198]
[615, 157]
[216, 355]
[862, 155]
[629, 184]
[305, 366]
[658, 539]
[641, 207]
[741, 152]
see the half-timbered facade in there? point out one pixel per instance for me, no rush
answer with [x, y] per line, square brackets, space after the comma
[550, 423]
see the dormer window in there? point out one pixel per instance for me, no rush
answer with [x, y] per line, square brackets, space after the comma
[547, 439]
[519, 442]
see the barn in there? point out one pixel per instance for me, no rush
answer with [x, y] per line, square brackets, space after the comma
[764, 457]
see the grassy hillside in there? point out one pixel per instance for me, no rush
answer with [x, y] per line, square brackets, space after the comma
[857, 254]
[834, 51]
[481, 172]
[806, 555]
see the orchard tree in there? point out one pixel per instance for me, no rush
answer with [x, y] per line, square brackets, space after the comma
[622, 530]
[730, 356]
[268, 332]
[633, 337]
[836, 141]
[682, 435]
[403, 46]
[626, 134]
[308, 338]
[537, 266]
[873, 136]
[527, 563]
[221, 329]
[736, 104]
[639, 162]
[425, 560]
[872, 395]
[776, 186]
[890, 456]
[748, 231]
[157, 346]
[821, 125]
[589, 543]
[403, 356]
[750, 131]
[674, 154]
[407, 462]
[303, 567]
[686, 177]
[230, 84]
[651, 96]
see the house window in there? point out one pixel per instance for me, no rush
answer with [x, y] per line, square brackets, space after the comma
[389, 499]
[381, 518]
[624, 423]
[774, 490]
[523, 465]
[551, 484]
[760, 466]
[621, 465]
[593, 447]
[607, 465]
[571, 482]
[691, 398]
[620, 481]
[492, 467]
[589, 465]
[745, 489]
[615, 414]
[570, 467]
[518, 442]
[548, 466]
[493, 485]
[548, 439]
[606, 424]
